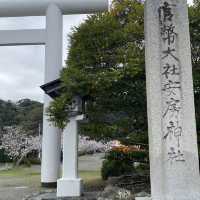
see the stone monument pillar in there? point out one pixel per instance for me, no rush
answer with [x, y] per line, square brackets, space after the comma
[51, 141]
[174, 164]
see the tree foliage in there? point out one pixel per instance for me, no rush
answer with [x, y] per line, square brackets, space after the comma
[194, 16]
[29, 115]
[25, 113]
[7, 113]
[106, 64]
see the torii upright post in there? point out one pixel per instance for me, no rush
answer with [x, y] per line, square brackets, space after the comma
[52, 38]
[51, 145]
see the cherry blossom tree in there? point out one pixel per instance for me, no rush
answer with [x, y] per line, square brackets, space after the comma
[17, 144]
[88, 146]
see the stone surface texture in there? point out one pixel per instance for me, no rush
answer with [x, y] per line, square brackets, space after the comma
[142, 198]
[69, 187]
[134, 183]
[171, 116]
[112, 192]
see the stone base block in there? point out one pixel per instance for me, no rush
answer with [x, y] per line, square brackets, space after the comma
[143, 198]
[194, 196]
[69, 187]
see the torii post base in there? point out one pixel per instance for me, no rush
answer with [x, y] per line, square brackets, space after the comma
[69, 187]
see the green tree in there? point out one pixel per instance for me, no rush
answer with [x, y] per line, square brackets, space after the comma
[194, 16]
[29, 115]
[106, 64]
[7, 113]
[25, 113]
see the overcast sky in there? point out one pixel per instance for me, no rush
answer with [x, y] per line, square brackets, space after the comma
[22, 67]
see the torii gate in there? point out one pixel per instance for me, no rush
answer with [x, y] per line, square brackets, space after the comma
[52, 38]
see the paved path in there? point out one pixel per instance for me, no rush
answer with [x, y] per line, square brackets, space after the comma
[13, 188]
[16, 188]
[91, 163]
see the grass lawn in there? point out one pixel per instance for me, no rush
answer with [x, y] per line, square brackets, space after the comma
[92, 180]
[19, 172]
[31, 177]
[21, 176]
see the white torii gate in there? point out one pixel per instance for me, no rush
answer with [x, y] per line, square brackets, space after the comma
[52, 38]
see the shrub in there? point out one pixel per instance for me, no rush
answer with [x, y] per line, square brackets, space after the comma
[127, 154]
[34, 161]
[4, 157]
[120, 161]
[113, 168]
